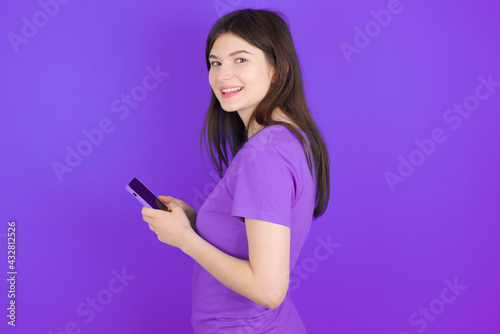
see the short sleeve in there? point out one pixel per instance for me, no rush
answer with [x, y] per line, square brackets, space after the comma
[264, 187]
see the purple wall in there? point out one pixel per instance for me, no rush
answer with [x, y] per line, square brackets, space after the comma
[407, 95]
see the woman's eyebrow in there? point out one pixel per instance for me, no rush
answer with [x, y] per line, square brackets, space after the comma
[230, 55]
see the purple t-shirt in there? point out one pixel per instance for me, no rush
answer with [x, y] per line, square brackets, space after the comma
[269, 180]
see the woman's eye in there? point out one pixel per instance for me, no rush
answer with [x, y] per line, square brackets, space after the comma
[216, 63]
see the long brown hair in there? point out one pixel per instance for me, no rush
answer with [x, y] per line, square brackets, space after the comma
[267, 31]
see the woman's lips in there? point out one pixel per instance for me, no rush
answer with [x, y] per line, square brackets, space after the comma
[230, 91]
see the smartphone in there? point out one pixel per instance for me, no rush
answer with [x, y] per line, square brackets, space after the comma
[144, 195]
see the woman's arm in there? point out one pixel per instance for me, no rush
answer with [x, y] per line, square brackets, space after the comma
[264, 278]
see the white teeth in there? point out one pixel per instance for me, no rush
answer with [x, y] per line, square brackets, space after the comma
[229, 90]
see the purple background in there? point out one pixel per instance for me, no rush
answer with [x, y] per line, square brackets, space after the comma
[394, 247]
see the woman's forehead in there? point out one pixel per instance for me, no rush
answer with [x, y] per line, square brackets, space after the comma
[228, 42]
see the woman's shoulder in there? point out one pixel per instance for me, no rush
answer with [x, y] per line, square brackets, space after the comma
[277, 138]
[275, 146]
[278, 131]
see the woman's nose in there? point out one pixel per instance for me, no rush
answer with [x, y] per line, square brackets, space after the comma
[224, 73]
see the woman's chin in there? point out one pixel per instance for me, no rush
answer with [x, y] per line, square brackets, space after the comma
[229, 108]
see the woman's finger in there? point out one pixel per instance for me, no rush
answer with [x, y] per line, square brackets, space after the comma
[170, 199]
[166, 199]
[148, 212]
[173, 206]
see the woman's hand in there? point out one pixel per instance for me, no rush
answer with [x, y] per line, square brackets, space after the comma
[172, 227]
[188, 210]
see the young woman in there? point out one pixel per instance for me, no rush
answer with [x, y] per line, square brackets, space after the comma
[248, 234]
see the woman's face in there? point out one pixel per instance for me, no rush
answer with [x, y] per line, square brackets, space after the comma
[239, 74]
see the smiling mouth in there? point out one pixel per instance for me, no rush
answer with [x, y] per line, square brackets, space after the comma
[231, 90]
